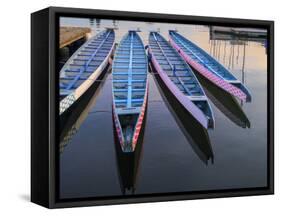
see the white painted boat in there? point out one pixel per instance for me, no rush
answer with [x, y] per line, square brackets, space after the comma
[84, 67]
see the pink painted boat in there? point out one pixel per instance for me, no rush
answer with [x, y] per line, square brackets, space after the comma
[209, 67]
[180, 79]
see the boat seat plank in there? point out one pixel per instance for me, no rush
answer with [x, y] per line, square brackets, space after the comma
[125, 101]
[133, 90]
[125, 81]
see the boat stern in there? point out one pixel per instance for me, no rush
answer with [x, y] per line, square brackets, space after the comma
[243, 88]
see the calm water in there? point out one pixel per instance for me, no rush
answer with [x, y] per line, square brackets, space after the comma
[175, 154]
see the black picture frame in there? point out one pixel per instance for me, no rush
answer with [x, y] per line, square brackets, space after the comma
[44, 100]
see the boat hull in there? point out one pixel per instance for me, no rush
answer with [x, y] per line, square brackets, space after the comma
[80, 107]
[129, 90]
[184, 100]
[221, 83]
[196, 135]
[226, 103]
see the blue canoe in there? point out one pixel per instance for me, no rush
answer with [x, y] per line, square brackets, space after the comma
[180, 79]
[209, 67]
[129, 89]
[84, 67]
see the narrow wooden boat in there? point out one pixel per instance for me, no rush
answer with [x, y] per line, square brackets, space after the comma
[84, 67]
[209, 67]
[180, 79]
[129, 89]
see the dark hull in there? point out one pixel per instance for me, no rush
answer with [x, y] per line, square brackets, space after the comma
[128, 162]
[225, 102]
[68, 118]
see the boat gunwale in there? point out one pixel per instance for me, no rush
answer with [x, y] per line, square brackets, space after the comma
[206, 55]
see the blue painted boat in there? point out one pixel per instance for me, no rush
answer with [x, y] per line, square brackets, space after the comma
[180, 79]
[209, 67]
[84, 67]
[129, 89]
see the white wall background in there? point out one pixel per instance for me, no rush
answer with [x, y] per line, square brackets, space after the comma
[15, 106]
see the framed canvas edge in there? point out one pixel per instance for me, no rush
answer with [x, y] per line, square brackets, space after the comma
[54, 203]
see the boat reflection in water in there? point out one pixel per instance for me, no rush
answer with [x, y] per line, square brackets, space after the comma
[226, 103]
[128, 162]
[193, 131]
[80, 112]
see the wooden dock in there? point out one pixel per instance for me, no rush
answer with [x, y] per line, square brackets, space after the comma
[239, 32]
[68, 35]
